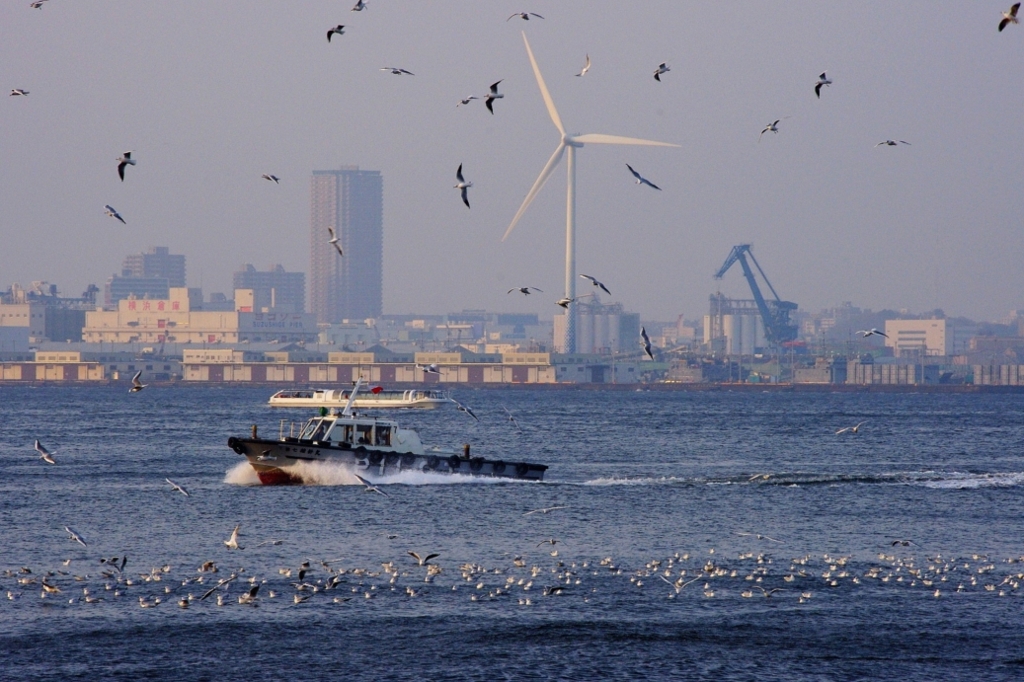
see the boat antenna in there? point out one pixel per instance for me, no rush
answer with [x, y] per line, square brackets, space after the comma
[347, 412]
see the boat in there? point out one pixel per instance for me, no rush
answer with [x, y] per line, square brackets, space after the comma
[368, 445]
[377, 398]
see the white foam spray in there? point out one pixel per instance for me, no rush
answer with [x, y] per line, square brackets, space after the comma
[335, 473]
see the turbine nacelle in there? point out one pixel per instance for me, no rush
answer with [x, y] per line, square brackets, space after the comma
[571, 141]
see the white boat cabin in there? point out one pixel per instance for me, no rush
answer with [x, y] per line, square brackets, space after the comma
[355, 432]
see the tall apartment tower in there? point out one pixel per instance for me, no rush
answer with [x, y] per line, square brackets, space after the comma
[351, 202]
[273, 288]
[159, 262]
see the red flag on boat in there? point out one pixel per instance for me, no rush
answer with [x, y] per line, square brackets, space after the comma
[376, 389]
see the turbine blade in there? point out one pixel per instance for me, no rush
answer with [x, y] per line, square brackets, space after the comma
[601, 138]
[541, 179]
[552, 112]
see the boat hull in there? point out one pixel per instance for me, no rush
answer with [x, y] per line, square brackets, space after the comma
[281, 462]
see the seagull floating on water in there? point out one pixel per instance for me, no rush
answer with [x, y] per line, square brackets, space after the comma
[396, 71]
[641, 180]
[125, 160]
[491, 96]
[822, 80]
[645, 341]
[18, 91]
[662, 68]
[463, 185]
[112, 212]
[892, 143]
[1010, 17]
[267, 176]
[525, 16]
[586, 67]
[545, 510]
[136, 384]
[334, 241]
[599, 285]
[177, 487]
[44, 454]
[339, 30]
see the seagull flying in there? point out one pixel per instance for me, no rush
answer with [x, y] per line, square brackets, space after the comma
[892, 143]
[369, 487]
[37, 4]
[334, 240]
[112, 212]
[586, 67]
[339, 29]
[773, 127]
[359, 7]
[18, 91]
[525, 16]
[907, 543]
[136, 384]
[645, 341]
[232, 542]
[865, 333]
[491, 96]
[463, 185]
[177, 487]
[429, 369]
[525, 291]
[545, 510]
[662, 68]
[462, 408]
[125, 160]
[75, 536]
[1010, 17]
[397, 71]
[511, 418]
[599, 285]
[641, 180]
[423, 561]
[267, 176]
[565, 301]
[466, 100]
[44, 454]
[822, 80]
[851, 429]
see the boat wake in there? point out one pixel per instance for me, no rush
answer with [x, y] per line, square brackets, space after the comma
[929, 479]
[333, 473]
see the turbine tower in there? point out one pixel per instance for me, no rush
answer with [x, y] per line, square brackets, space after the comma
[570, 143]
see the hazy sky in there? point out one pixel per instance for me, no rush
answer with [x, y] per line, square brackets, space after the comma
[210, 95]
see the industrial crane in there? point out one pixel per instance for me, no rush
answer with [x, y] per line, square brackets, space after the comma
[774, 314]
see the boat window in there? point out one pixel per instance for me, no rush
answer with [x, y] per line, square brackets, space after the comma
[321, 430]
[363, 433]
[346, 434]
[384, 435]
[309, 429]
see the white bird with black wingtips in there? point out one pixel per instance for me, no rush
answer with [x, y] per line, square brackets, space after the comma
[177, 488]
[586, 67]
[125, 160]
[1010, 17]
[771, 127]
[645, 341]
[75, 536]
[18, 92]
[596, 283]
[491, 96]
[823, 79]
[525, 291]
[369, 487]
[273, 178]
[359, 6]
[525, 16]
[463, 185]
[232, 542]
[397, 71]
[137, 384]
[333, 241]
[641, 180]
[112, 212]
[662, 68]
[337, 30]
[44, 454]
[892, 143]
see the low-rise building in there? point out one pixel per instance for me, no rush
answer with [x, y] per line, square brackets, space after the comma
[919, 337]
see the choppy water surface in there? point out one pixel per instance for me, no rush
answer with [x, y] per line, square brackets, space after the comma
[659, 560]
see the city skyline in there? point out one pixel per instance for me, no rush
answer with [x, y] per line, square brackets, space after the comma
[833, 217]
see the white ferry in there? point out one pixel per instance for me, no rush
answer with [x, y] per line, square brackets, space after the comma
[368, 445]
[374, 398]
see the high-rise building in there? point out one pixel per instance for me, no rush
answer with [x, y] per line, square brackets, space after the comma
[349, 287]
[146, 275]
[158, 262]
[273, 288]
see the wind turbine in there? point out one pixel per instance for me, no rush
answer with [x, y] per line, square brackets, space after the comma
[570, 143]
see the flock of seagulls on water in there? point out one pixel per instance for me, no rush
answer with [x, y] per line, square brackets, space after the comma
[524, 579]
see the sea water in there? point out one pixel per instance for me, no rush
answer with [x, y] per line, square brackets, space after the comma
[780, 532]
